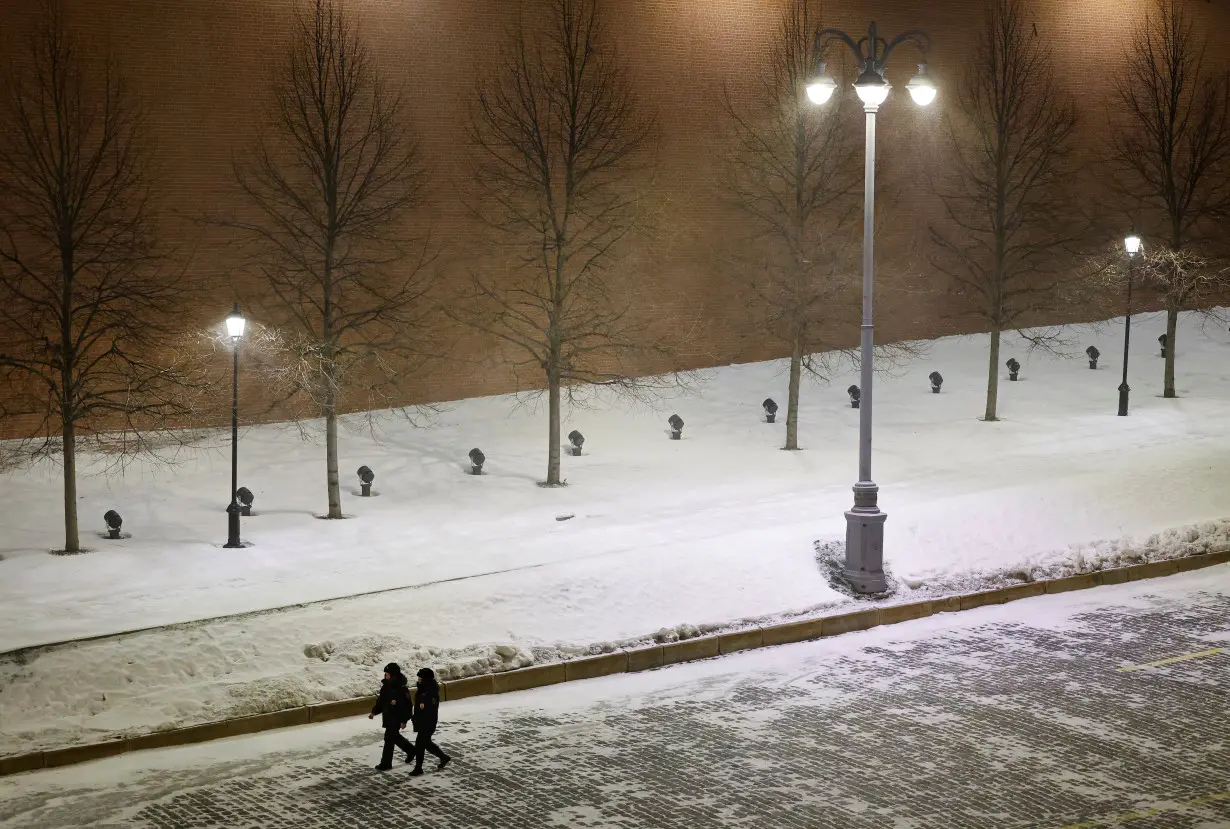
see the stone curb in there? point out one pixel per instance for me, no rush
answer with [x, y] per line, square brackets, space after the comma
[641, 659]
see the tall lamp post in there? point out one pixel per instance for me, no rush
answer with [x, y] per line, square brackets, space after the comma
[1132, 245]
[235, 324]
[864, 567]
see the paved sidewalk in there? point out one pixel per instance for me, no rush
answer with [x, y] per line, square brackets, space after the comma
[1018, 716]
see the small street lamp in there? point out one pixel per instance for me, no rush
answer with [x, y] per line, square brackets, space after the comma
[1132, 245]
[235, 325]
[864, 566]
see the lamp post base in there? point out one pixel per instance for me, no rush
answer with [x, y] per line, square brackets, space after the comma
[232, 528]
[1123, 399]
[865, 548]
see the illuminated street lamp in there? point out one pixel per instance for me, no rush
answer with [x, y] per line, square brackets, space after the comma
[864, 566]
[1132, 245]
[235, 325]
[921, 87]
[821, 86]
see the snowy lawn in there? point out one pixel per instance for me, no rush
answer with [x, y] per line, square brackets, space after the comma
[698, 533]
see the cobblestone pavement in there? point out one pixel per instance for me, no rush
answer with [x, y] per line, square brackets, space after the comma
[1017, 716]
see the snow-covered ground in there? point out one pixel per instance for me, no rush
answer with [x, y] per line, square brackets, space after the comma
[698, 533]
[585, 725]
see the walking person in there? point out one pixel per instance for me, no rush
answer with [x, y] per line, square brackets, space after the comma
[395, 709]
[426, 718]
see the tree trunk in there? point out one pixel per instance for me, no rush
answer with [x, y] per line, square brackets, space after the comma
[993, 378]
[553, 438]
[335, 488]
[68, 395]
[72, 537]
[792, 402]
[1172, 326]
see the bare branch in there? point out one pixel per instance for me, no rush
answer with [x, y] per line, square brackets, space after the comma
[794, 171]
[87, 293]
[559, 138]
[332, 186]
[1172, 152]
[1012, 228]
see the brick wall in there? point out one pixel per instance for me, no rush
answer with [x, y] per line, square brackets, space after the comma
[201, 66]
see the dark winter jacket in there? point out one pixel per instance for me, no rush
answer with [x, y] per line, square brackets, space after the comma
[393, 705]
[427, 706]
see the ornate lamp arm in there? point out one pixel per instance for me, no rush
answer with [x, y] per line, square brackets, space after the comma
[919, 39]
[826, 36]
[871, 52]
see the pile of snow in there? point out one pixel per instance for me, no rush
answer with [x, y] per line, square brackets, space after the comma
[669, 539]
[1079, 559]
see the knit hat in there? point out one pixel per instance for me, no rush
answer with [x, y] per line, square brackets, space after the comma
[426, 673]
[393, 669]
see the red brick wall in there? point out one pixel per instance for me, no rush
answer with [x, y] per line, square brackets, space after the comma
[201, 66]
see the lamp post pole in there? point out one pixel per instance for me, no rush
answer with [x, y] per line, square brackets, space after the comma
[1132, 243]
[234, 329]
[864, 565]
[865, 521]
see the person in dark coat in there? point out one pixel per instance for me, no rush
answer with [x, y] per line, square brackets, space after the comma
[426, 718]
[395, 709]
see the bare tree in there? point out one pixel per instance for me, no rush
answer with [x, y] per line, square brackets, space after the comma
[1011, 227]
[86, 294]
[1173, 149]
[795, 172]
[1193, 278]
[559, 138]
[331, 186]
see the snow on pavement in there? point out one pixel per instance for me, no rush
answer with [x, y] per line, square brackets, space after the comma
[1022, 699]
[702, 532]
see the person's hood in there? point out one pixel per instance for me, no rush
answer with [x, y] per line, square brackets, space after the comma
[427, 679]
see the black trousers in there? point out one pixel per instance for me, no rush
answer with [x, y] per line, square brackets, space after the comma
[393, 737]
[422, 744]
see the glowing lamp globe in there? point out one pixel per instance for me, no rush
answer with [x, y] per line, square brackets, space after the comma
[921, 87]
[235, 324]
[821, 87]
[871, 87]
